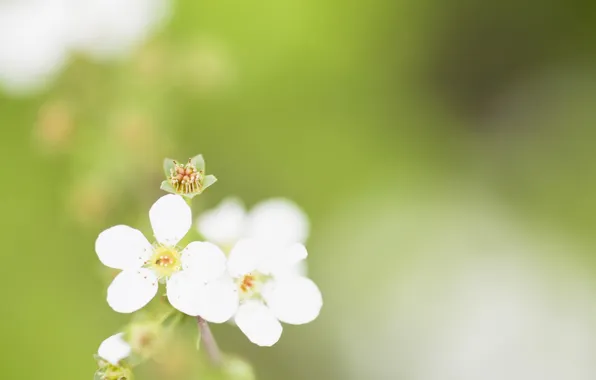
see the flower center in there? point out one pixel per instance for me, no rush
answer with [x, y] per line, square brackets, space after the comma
[185, 178]
[250, 285]
[247, 283]
[165, 261]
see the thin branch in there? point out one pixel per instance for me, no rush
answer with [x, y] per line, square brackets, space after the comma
[209, 342]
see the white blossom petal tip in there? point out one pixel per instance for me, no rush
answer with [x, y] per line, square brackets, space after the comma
[285, 262]
[122, 247]
[219, 300]
[170, 218]
[277, 220]
[205, 260]
[225, 223]
[247, 255]
[114, 349]
[182, 290]
[258, 323]
[131, 290]
[294, 300]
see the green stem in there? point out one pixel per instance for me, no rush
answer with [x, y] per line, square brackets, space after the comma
[166, 315]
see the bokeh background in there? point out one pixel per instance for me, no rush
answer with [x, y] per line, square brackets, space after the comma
[444, 152]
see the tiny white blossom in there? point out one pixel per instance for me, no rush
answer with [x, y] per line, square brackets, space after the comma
[114, 349]
[263, 290]
[185, 271]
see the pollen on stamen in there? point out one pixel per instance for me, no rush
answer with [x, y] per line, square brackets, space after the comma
[185, 178]
[247, 283]
[164, 261]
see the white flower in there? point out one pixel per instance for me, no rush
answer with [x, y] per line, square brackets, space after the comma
[260, 284]
[185, 271]
[265, 279]
[277, 221]
[37, 36]
[32, 43]
[107, 29]
[114, 349]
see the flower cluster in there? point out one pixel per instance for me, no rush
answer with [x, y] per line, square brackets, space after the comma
[265, 266]
[249, 269]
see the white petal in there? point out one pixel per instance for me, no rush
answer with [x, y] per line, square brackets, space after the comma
[171, 219]
[205, 260]
[277, 220]
[224, 224]
[298, 269]
[219, 300]
[183, 290]
[42, 48]
[111, 29]
[131, 290]
[246, 256]
[122, 247]
[284, 261]
[294, 300]
[114, 349]
[258, 323]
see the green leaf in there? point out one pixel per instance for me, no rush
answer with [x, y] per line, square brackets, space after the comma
[199, 162]
[168, 164]
[208, 181]
[167, 186]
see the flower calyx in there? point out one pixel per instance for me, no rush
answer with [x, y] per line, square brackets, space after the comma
[186, 179]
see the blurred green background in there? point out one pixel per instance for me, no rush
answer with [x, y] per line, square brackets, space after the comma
[444, 152]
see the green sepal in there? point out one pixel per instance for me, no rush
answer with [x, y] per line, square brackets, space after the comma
[208, 181]
[167, 186]
[168, 164]
[101, 362]
[191, 195]
[199, 162]
[98, 375]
